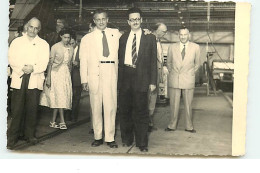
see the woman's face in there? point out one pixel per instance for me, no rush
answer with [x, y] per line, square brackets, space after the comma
[65, 39]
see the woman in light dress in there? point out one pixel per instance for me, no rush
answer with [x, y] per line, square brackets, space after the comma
[58, 88]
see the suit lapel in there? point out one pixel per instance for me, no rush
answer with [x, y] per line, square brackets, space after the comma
[141, 46]
[124, 46]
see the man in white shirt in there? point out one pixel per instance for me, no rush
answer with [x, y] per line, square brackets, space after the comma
[183, 61]
[98, 70]
[28, 57]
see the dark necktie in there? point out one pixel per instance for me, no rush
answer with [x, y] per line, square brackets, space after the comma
[134, 54]
[183, 52]
[105, 45]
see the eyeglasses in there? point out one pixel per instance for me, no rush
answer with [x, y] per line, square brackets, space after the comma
[135, 20]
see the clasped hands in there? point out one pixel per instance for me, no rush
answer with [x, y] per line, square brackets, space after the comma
[27, 69]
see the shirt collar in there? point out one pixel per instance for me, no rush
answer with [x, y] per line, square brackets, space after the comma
[138, 32]
[186, 44]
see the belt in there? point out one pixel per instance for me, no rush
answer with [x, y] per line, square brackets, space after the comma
[107, 61]
[132, 66]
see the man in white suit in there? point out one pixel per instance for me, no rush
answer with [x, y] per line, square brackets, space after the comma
[28, 57]
[183, 61]
[98, 70]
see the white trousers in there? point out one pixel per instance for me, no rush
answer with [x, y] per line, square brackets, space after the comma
[106, 97]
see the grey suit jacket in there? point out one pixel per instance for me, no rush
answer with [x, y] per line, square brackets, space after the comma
[182, 72]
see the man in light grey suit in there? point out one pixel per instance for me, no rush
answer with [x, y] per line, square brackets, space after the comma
[183, 61]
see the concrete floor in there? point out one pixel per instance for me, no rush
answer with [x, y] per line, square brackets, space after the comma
[212, 120]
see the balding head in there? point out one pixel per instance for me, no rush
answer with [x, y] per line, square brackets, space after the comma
[33, 27]
[160, 29]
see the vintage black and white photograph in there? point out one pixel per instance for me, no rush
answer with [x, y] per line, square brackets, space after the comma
[123, 77]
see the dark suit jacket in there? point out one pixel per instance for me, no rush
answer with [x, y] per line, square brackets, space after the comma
[146, 65]
[75, 74]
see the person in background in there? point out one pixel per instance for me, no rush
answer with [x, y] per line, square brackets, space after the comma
[75, 78]
[98, 70]
[53, 37]
[137, 74]
[58, 90]
[159, 30]
[28, 57]
[183, 61]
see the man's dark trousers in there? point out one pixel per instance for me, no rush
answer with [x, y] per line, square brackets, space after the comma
[133, 110]
[24, 108]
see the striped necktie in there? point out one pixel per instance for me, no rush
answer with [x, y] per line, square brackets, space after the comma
[134, 54]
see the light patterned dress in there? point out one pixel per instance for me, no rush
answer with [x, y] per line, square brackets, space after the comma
[59, 95]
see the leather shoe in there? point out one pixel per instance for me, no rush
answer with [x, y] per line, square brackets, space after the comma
[112, 144]
[126, 145]
[191, 131]
[96, 143]
[169, 130]
[143, 149]
[151, 128]
[32, 141]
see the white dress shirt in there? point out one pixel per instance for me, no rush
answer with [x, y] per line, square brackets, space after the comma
[34, 52]
[75, 52]
[128, 51]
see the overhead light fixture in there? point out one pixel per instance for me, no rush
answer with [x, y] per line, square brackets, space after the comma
[179, 12]
[182, 22]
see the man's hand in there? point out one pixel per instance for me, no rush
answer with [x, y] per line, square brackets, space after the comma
[147, 31]
[152, 88]
[27, 69]
[85, 86]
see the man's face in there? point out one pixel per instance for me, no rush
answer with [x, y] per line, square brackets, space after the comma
[134, 21]
[33, 28]
[161, 31]
[101, 20]
[184, 35]
[59, 26]
[73, 43]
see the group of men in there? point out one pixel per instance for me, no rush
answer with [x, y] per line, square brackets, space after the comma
[108, 64]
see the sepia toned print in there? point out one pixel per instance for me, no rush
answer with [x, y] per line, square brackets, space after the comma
[162, 79]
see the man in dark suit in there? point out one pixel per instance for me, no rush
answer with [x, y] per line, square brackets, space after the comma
[75, 78]
[137, 74]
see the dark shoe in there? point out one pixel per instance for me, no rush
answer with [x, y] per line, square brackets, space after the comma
[143, 149]
[112, 144]
[151, 128]
[96, 143]
[11, 144]
[32, 141]
[91, 131]
[22, 138]
[191, 131]
[169, 130]
[126, 145]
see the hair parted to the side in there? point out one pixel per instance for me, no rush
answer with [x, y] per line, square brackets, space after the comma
[134, 10]
[183, 28]
[99, 11]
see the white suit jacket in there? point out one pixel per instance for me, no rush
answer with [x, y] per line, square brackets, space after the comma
[182, 72]
[91, 53]
[35, 53]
